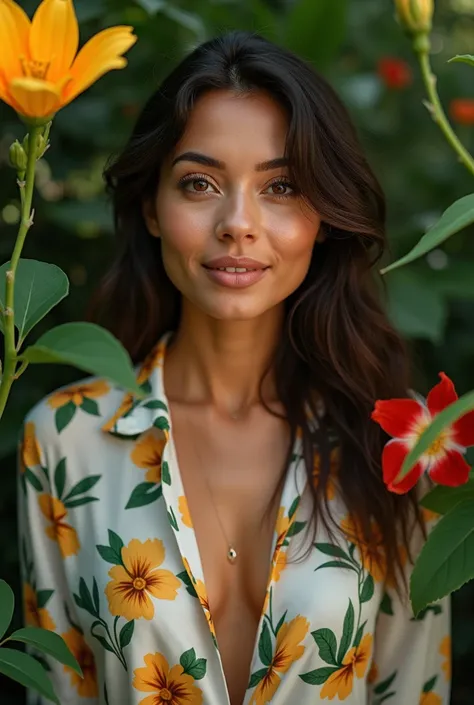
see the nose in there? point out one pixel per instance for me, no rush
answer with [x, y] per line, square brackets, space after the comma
[239, 218]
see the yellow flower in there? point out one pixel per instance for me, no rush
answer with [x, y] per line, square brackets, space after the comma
[55, 511]
[339, 684]
[288, 649]
[169, 686]
[372, 556]
[147, 454]
[39, 70]
[36, 616]
[133, 582]
[87, 686]
[416, 16]
[30, 450]
[445, 650]
[373, 674]
[184, 509]
[430, 698]
[78, 392]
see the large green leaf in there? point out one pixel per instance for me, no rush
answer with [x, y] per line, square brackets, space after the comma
[49, 643]
[24, 669]
[315, 30]
[445, 418]
[414, 308]
[88, 347]
[443, 499]
[446, 561]
[7, 603]
[39, 286]
[464, 58]
[458, 216]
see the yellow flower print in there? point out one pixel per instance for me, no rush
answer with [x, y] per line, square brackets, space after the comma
[373, 674]
[333, 468]
[87, 686]
[372, 557]
[355, 662]
[133, 582]
[445, 650]
[77, 393]
[36, 616]
[430, 699]
[288, 649]
[169, 686]
[428, 515]
[279, 566]
[55, 512]
[147, 454]
[184, 509]
[204, 600]
[30, 450]
[125, 406]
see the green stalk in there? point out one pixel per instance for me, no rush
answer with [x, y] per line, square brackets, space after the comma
[421, 47]
[10, 362]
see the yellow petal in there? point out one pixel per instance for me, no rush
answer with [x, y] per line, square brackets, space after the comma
[101, 54]
[14, 32]
[34, 97]
[54, 37]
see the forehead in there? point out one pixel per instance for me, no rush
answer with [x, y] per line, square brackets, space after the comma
[234, 127]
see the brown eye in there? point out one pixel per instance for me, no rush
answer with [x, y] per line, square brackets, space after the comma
[200, 184]
[279, 189]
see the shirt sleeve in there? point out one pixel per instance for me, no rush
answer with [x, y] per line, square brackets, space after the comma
[412, 657]
[47, 600]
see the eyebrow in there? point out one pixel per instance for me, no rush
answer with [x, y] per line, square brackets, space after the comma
[205, 160]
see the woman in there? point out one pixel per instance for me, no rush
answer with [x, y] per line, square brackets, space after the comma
[228, 539]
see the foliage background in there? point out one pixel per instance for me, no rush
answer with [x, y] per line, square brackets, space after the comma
[431, 301]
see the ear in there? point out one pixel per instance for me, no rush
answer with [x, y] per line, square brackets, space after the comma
[149, 216]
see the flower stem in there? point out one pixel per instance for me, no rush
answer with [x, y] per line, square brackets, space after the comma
[421, 48]
[10, 362]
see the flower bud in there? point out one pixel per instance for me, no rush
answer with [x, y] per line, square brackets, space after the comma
[18, 158]
[415, 16]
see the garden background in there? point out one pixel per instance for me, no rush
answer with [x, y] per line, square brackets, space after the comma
[360, 48]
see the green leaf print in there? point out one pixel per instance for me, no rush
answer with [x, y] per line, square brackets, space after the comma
[347, 631]
[319, 676]
[113, 552]
[294, 507]
[198, 669]
[327, 644]
[95, 596]
[126, 634]
[187, 581]
[336, 564]
[280, 623]
[82, 486]
[359, 634]
[165, 473]
[256, 677]
[106, 696]
[115, 542]
[71, 503]
[187, 658]
[143, 494]
[429, 685]
[84, 599]
[265, 649]
[332, 550]
[90, 406]
[60, 477]
[386, 604]
[162, 423]
[33, 480]
[42, 597]
[367, 591]
[155, 404]
[295, 528]
[172, 519]
[385, 685]
[64, 415]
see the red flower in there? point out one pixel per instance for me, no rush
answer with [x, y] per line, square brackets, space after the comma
[405, 420]
[395, 73]
[462, 111]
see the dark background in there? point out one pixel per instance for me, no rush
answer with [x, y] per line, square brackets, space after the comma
[431, 301]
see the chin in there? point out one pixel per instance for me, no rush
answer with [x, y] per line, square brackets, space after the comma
[234, 311]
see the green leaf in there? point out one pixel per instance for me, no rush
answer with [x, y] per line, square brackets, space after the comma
[79, 502]
[347, 631]
[330, 549]
[296, 528]
[86, 598]
[442, 499]
[464, 58]
[172, 518]
[327, 644]
[316, 30]
[294, 507]
[64, 415]
[367, 591]
[445, 418]
[187, 581]
[319, 676]
[187, 659]
[43, 597]
[49, 643]
[90, 406]
[60, 477]
[386, 605]
[83, 486]
[24, 669]
[155, 404]
[7, 604]
[337, 564]
[39, 287]
[281, 622]
[162, 423]
[95, 596]
[256, 677]
[265, 649]
[458, 216]
[115, 542]
[126, 634]
[385, 685]
[109, 555]
[198, 669]
[446, 560]
[33, 480]
[165, 473]
[88, 347]
[416, 309]
[143, 494]
[429, 685]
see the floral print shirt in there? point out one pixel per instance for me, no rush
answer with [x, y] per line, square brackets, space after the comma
[110, 561]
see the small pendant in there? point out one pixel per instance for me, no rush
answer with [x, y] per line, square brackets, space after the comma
[232, 555]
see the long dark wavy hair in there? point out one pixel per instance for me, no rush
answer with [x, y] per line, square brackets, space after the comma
[337, 342]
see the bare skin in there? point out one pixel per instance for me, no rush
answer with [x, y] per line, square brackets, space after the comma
[226, 337]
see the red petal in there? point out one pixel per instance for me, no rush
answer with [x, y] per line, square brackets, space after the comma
[442, 395]
[397, 416]
[451, 470]
[393, 456]
[464, 430]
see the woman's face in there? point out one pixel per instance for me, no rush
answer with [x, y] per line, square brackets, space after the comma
[225, 193]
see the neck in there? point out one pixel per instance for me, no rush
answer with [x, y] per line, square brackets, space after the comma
[221, 363]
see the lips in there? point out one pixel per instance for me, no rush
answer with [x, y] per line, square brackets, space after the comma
[235, 264]
[235, 272]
